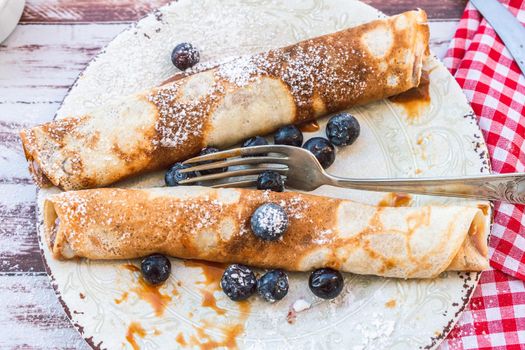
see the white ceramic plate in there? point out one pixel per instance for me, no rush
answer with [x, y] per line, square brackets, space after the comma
[10, 13]
[104, 300]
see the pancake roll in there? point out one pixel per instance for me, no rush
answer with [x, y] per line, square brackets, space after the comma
[214, 224]
[248, 96]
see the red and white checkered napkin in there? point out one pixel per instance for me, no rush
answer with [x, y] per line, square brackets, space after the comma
[495, 86]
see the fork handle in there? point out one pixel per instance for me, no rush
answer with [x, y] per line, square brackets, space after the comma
[498, 187]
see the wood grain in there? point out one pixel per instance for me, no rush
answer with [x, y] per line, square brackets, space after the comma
[39, 63]
[64, 11]
[20, 251]
[32, 317]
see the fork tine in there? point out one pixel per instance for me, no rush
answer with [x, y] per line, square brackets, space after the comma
[243, 183]
[237, 161]
[236, 152]
[232, 173]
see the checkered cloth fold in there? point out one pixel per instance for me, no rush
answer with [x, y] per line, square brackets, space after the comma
[495, 87]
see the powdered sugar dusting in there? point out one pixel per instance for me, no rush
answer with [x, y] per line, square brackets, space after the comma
[296, 207]
[271, 218]
[74, 207]
[375, 333]
[336, 75]
[178, 122]
[243, 70]
[204, 212]
[324, 237]
[307, 69]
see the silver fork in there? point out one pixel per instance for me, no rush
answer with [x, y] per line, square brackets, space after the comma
[302, 171]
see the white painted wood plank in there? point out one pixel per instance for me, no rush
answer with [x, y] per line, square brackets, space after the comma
[128, 10]
[32, 318]
[440, 35]
[40, 62]
[13, 166]
[19, 251]
[89, 10]
[28, 113]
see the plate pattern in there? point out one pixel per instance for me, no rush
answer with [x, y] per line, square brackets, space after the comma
[101, 298]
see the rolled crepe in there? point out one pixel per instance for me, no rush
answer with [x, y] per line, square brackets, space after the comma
[214, 225]
[252, 95]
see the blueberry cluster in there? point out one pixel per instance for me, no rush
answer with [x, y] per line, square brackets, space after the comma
[239, 283]
[342, 129]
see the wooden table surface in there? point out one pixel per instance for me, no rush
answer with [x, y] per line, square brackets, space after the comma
[38, 63]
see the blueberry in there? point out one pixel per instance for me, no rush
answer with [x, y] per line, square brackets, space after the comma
[326, 283]
[342, 129]
[185, 56]
[238, 282]
[273, 285]
[269, 222]
[270, 180]
[173, 176]
[255, 141]
[155, 268]
[289, 135]
[322, 149]
[209, 150]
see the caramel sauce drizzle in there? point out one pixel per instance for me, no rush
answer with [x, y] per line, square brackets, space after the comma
[212, 272]
[148, 293]
[229, 332]
[124, 297]
[131, 267]
[310, 126]
[391, 304]
[180, 340]
[396, 200]
[153, 296]
[134, 328]
[484, 208]
[210, 301]
[416, 99]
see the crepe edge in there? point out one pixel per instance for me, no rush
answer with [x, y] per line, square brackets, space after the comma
[422, 40]
[39, 175]
[55, 237]
[472, 254]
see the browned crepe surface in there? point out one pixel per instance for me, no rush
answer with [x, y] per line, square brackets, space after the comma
[213, 224]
